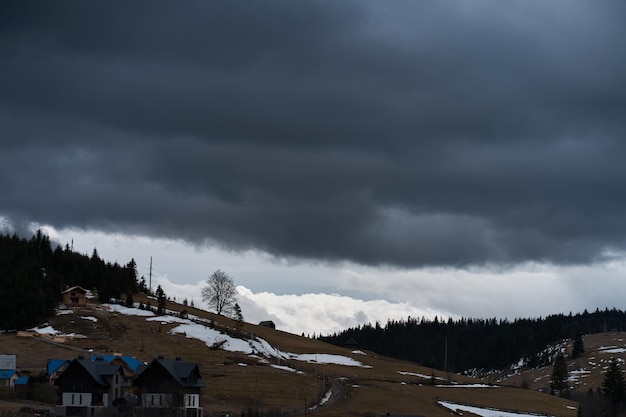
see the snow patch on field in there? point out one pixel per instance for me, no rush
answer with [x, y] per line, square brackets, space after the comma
[420, 375]
[612, 349]
[325, 358]
[45, 330]
[485, 412]
[51, 331]
[60, 312]
[577, 374]
[288, 369]
[128, 311]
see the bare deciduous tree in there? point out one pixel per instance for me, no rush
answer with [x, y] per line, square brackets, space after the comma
[220, 293]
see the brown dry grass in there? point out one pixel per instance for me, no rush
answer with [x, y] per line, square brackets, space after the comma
[593, 361]
[233, 388]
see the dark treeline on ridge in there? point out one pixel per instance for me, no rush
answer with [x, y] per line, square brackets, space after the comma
[465, 344]
[33, 275]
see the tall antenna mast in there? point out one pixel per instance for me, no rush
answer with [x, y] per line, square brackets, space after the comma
[150, 284]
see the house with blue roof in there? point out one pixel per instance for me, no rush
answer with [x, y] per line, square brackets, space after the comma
[21, 381]
[129, 364]
[55, 368]
[8, 370]
[8, 377]
[105, 384]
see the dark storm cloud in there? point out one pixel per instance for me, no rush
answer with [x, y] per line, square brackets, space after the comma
[406, 133]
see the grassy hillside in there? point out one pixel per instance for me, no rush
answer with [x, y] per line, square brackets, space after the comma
[266, 385]
[585, 372]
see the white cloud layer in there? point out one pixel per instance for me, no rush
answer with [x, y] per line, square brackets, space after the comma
[319, 298]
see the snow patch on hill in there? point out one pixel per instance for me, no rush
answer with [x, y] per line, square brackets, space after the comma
[611, 349]
[197, 328]
[485, 412]
[420, 375]
[129, 311]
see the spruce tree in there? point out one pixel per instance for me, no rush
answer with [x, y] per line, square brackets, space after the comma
[613, 386]
[237, 315]
[558, 383]
[161, 300]
[129, 300]
[579, 348]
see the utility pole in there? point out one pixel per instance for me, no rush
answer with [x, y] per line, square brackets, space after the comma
[150, 284]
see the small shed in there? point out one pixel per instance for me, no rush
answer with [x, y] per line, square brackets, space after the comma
[22, 382]
[268, 323]
[351, 344]
[74, 296]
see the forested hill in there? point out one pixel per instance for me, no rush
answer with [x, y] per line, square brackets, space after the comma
[476, 343]
[33, 275]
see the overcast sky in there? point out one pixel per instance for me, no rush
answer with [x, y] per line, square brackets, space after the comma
[459, 158]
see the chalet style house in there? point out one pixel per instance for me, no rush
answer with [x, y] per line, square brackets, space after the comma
[88, 387]
[171, 384]
[104, 385]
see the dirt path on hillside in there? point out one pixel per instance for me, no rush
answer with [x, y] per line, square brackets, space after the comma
[337, 390]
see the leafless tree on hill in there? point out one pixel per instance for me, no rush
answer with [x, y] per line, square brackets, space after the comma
[220, 293]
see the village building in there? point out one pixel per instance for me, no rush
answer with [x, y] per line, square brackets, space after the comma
[8, 378]
[22, 381]
[268, 323]
[130, 365]
[351, 344]
[171, 384]
[55, 368]
[74, 296]
[88, 388]
[8, 371]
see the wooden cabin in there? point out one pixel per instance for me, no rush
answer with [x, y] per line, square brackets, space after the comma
[75, 296]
